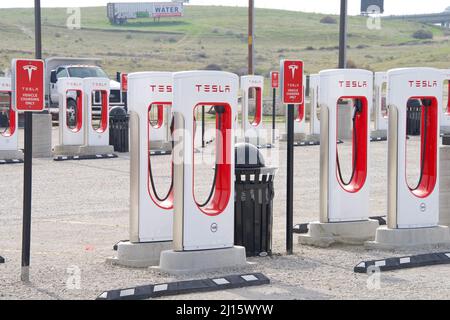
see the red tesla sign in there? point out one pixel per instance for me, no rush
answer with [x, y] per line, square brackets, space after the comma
[124, 82]
[275, 75]
[292, 81]
[28, 85]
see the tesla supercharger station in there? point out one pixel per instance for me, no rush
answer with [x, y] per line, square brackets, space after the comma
[344, 201]
[9, 125]
[151, 214]
[71, 113]
[380, 108]
[445, 111]
[413, 210]
[314, 129]
[253, 129]
[203, 234]
[96, 93]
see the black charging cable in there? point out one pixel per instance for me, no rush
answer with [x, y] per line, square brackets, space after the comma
[162, 199]
[220, 110]
[358, 109]
[425, 103]
[8, 116]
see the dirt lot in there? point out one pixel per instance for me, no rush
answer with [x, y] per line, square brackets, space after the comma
[80, 209]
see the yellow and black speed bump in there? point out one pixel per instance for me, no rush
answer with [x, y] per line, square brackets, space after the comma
[185, 287]
[378, 139]
[86, 157]
[311, 143]
[421, 260]
[11, 161]
[265, 146]
[160, 152]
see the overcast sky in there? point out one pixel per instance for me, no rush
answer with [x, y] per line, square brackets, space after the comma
[323, 6]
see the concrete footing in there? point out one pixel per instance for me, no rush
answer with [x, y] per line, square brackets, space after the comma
[298, 137]
[378, 134]
[161, 146]
[11, 155]
[42, 135]
[444, 185]
[325, 234]
[190, 262]
[387, 239]
[445, 130]
[139, 255]
[61, 150]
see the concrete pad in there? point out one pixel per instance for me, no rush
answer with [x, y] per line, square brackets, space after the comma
[191, 262]
[298, 137]
[11, 154]
[93, 150]
[139, 255]
[445, 129]
[313, 138]
[378, 134]
[160, 146]
[61, 150]
[325, 234]
[386, 238]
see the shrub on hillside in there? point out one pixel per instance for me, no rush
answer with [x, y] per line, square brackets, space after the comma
[423, 34]
[351, 64]
[214, 67]
[328, 20]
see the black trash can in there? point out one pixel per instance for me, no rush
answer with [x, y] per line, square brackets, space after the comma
[118, 129]
[254, 195]
[414, 117]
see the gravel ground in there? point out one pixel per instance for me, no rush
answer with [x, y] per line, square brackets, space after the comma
[80, 209]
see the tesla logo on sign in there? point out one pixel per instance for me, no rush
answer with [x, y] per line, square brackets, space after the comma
[292, 81]
[293, 68]
[28, 85]
[30, 68]
[275, 79]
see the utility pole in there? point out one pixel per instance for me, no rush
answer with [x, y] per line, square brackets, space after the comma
[343, 36]
[251, 25]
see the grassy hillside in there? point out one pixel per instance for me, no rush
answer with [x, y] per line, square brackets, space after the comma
[217, 35]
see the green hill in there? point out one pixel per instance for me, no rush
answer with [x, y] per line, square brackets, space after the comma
[217, 35]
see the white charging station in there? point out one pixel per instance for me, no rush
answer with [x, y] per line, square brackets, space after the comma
[413, 211]
[380, 108]
[344, 202]
[97, 103]
[314, 123]
[445, 110]
[9, 126]
[71, 115]
[83, 119]
[203, 234]
[253, 129]
[151, 214]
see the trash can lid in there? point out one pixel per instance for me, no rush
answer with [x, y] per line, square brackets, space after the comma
[247, 155]
[118, 112]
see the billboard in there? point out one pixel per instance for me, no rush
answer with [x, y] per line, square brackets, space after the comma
[370, 6]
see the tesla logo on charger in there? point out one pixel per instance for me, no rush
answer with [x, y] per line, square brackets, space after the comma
[422, 83]
[161, 88]
[29, 68]
[213, 88]
[353, 84]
